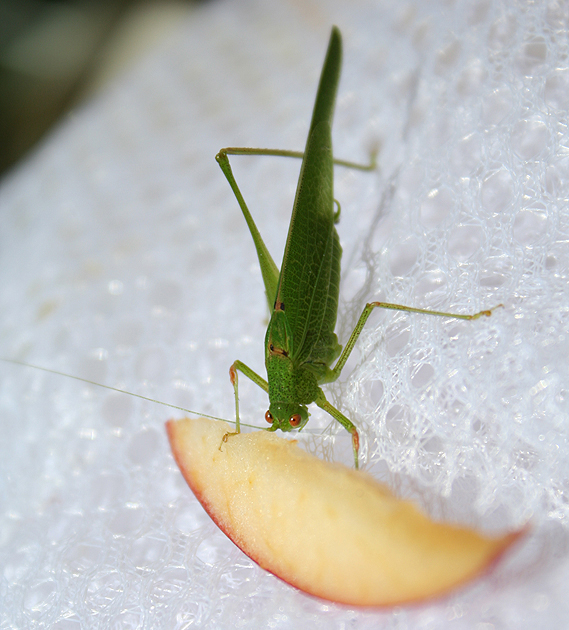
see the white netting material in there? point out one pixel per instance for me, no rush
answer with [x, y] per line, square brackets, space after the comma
[125, 259]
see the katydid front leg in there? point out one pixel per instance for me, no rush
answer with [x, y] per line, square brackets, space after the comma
[249, 373]
[259, 380]
[320, 400]
[350, 427]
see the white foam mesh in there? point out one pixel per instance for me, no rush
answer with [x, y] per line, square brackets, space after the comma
[125, 259]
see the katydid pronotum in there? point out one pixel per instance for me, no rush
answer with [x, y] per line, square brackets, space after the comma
[300, 343]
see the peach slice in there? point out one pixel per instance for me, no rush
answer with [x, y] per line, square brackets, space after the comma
[326, 529]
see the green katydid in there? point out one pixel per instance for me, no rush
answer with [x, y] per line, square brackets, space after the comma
[300, 343]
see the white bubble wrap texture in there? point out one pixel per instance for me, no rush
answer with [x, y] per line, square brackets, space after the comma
[124, 258]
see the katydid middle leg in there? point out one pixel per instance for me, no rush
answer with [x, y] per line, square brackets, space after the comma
[337, 369]
[321, 400]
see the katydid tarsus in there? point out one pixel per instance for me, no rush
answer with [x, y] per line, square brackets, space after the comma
[300, 343]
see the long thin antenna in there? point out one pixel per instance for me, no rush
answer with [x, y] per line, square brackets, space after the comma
[115, 389]
[124, 391]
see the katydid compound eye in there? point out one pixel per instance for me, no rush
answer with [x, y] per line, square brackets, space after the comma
[269, 417]
[295, 420]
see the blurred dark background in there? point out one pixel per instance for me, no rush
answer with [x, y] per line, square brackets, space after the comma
[54, 53]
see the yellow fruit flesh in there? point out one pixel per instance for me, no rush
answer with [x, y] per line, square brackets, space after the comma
[327, 529]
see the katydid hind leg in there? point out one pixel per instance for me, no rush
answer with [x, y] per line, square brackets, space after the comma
[358, 166]
[269, 270]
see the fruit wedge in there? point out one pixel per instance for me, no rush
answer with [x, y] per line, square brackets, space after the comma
[326, 529]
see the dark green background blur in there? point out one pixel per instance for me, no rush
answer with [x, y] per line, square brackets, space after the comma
[52, 53]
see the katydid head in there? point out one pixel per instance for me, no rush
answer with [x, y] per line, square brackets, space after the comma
[286, 416]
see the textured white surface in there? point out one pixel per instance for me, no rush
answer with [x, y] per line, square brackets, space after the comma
[125, 259]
